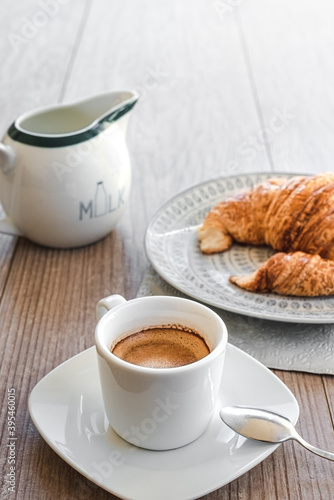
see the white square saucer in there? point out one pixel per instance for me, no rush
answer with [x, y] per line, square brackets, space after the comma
[66, 408]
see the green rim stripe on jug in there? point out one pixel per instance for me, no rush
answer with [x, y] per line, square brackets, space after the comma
[56, 141]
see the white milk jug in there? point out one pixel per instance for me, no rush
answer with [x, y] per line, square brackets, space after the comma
[65, 171]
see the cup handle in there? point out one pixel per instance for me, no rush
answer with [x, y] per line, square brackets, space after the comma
[104, 305]
[7, 227]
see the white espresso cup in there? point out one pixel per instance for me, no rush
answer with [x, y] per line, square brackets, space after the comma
[158, 408]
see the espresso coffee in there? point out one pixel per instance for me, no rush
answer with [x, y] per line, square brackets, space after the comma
[161, 347]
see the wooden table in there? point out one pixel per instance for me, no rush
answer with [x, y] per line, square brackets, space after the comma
[226, 87]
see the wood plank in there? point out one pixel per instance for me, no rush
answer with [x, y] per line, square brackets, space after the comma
[329, 389]
[289, 46]
[315, 426]
[7, 248]
[31, 76]
[284, 79]
[196, 106]
[34, 61]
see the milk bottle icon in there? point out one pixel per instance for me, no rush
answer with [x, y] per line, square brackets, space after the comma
[100, 200]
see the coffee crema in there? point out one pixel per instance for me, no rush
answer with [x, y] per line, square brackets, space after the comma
[161, 347]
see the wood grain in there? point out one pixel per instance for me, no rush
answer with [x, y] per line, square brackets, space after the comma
[226, 87]
[289, 46]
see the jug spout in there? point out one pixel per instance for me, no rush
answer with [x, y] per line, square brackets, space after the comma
[109, 107]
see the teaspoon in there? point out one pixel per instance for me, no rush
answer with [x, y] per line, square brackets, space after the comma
[266, 426]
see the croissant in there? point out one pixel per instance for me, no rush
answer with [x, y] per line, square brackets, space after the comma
[296, 273]
[286, 214]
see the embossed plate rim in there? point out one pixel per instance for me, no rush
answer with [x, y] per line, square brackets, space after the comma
[186, 285]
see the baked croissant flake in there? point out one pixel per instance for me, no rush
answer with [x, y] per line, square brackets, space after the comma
[286, 214]
[296, 273]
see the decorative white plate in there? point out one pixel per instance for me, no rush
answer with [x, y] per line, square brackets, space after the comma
[172, 248]
[66, 407]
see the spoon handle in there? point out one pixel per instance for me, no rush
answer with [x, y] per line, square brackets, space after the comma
[317, 451]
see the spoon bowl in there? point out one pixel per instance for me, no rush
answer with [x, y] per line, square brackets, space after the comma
[266, 426]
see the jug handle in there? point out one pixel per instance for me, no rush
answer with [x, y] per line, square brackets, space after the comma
[7, 227]
[7, 165]
[7, 158]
